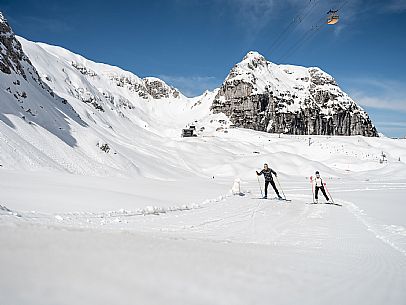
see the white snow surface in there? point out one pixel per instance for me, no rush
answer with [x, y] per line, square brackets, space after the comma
[153, 220]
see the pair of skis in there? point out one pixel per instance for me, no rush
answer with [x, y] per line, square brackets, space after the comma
[274, 198]
[280, 187]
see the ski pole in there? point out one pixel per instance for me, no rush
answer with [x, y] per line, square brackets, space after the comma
[259, 183]
[332, 200]
[280, 187]
[311, 181]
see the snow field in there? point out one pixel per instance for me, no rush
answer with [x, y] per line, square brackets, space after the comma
[232, 249]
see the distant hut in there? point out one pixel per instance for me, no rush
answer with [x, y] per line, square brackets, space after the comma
[189, 132]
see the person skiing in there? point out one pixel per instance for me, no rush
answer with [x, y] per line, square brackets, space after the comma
[319, 186]
[267, 172]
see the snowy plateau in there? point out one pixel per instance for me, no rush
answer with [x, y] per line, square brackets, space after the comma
[103, 202]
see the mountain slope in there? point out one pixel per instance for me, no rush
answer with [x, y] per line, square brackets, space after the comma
[261, 95]
[26, 96]
[134, 118]
[60, 111]
[29, 109]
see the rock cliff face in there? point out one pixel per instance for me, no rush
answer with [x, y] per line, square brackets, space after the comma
[260, 95]
[159, 89]
[12, 57]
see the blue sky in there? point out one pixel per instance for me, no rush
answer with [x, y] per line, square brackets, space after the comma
[192, 44]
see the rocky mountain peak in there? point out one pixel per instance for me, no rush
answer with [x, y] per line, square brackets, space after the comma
[253, 57]
[158, 89]
[12, 57]
[319, 77]
[248, 69]
[2, 18]
[261, 95]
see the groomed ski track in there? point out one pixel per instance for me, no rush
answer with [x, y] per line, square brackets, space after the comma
[230, 249]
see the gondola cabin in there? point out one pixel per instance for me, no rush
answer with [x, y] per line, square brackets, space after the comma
[332, 17]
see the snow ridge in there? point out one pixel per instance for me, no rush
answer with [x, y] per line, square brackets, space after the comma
[2, 18]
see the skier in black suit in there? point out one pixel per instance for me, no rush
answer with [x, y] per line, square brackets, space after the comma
[267, 172]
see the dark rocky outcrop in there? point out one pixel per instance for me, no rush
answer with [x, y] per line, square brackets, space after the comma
[82, 69]
[12, 57]
[158, 89]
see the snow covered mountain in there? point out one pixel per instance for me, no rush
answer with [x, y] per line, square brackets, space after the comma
[261, 95]
[60, 111]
